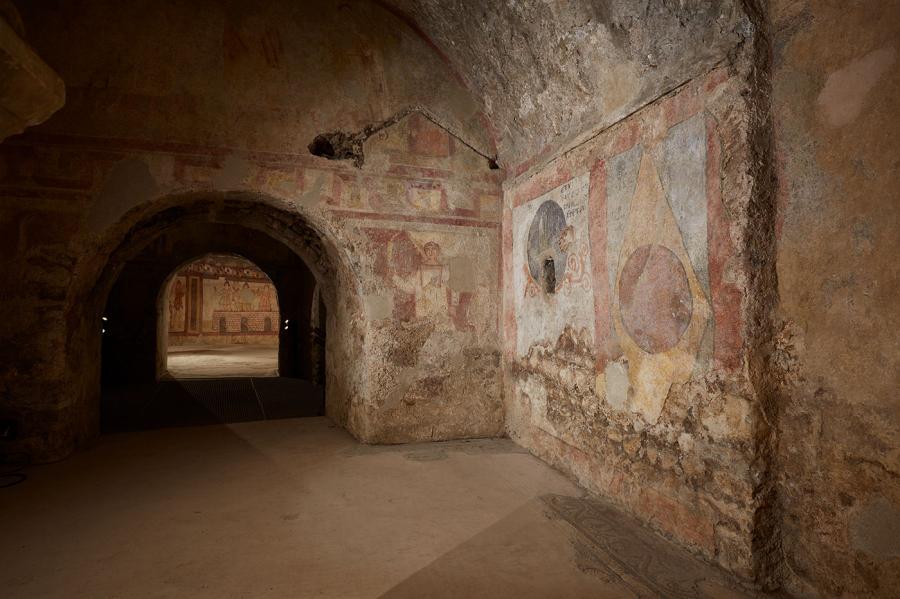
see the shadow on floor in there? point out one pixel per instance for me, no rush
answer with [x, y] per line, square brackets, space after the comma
[531, 553]
[194, 402]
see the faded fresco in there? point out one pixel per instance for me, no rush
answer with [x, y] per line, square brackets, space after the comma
[439, 277]
[652, 326]
[222, 299]
[657, 268]
[551, 266]
[623, 351]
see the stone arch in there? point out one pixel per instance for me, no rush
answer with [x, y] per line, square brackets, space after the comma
[308, 235]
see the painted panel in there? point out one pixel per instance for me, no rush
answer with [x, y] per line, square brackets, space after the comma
[657, 266]
[436, 276]
[552, 266]
[223, 297]
[176, 304]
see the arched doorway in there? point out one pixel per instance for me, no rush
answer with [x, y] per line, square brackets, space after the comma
[298, 258]
[219, 311]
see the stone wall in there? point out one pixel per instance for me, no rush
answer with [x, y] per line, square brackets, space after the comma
[550, 74]
[629, 368]
[406, 245]
[31, 91]
[693, 244]
[836, 79]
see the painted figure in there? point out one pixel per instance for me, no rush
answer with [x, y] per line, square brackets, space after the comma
[227, 296]
[245, 298]
[428, 285]
[264, 298]
[176, 306]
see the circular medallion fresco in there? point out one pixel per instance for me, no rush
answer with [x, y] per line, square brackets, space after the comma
[543, 240]
[655, 298]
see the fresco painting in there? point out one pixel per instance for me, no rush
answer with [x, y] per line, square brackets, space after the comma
[230, 301]
[651, 323]
[551, 266]
[425, 174]
[660, 307]
[435, 277]
[176, 305]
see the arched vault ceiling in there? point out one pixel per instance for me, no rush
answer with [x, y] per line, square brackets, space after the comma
[549, 70]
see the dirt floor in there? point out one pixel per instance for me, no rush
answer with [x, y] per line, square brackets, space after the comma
[219, 361]
[297, 508]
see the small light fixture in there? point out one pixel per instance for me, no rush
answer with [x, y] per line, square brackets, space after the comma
[287, 320]
[285, 327]
[102, 331]
[103, 318]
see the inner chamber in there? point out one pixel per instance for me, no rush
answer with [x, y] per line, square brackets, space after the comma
[222, 320]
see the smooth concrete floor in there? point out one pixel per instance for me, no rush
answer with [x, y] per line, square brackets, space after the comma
[221, 361]
[297, 508]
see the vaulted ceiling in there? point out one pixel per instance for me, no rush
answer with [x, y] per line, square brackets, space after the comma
[542, 73]
[545, 70]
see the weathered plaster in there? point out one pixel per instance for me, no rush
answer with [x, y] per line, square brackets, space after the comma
[548, 75]
[640, 388]
[835, 83]
[718, 353]
[406, 247]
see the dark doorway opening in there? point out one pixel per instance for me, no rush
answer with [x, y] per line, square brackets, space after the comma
[137, 388]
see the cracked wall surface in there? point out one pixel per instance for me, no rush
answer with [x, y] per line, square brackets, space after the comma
[836, 355]
[547, 73]
[633, 374]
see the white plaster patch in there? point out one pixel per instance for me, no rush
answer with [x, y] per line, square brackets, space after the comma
[617, 385]
[845, 91]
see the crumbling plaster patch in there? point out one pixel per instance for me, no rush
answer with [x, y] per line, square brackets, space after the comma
[677, 445]
[31, 90]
